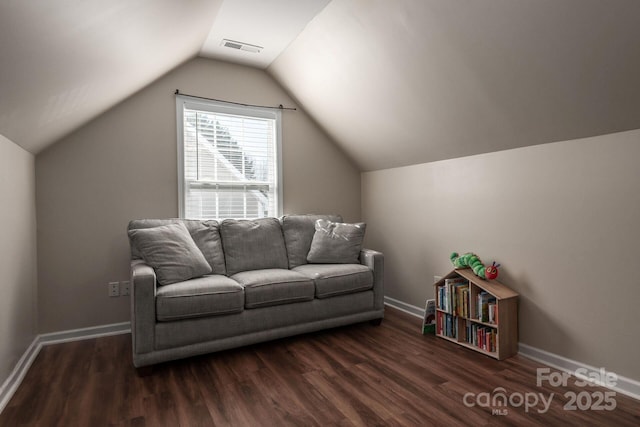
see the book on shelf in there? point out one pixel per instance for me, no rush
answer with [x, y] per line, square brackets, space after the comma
[450, 295]
[483, 337]
[462, 300]
[485, 299]
[493, 312]
[446, 325]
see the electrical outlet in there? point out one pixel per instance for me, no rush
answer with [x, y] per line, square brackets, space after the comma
[114, 289]
[436, 278]
[124, 288]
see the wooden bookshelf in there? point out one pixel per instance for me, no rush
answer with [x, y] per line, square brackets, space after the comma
[464, 314]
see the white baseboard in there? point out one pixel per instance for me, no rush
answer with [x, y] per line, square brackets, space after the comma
[626, 386]
[85, 333]
[14, 380]
[403, 306]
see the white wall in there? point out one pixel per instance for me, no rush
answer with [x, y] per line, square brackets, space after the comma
[123, 166]
[18, 276]
[563, 219]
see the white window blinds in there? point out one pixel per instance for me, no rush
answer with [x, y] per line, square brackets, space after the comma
[228, 160]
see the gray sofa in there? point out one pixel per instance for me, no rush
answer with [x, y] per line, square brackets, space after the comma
[260, 288]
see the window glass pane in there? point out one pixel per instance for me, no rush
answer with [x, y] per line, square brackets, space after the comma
[230, 164]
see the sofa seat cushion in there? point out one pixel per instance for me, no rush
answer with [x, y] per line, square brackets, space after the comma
[204, 296]
[337, 279]
[274, 286]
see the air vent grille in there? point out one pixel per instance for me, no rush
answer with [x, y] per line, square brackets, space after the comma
[241, 46]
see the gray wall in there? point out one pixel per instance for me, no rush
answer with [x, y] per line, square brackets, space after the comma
[562, 218]
[17, 254]
[123, 166]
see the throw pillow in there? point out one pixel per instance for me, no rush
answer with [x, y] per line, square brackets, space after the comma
[298, 233]
[205, 234]
[171, 251]
[336, 243]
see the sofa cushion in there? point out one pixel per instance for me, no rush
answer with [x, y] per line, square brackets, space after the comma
[337, 279]
[274, 286]
[253, 244]
[171, 251]
[336, 242]
[205, 234]
[205, 296]
[298, 233]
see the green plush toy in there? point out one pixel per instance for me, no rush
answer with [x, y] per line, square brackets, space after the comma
[470, 260]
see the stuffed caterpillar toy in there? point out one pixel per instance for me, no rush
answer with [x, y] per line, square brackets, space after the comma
[472, 261]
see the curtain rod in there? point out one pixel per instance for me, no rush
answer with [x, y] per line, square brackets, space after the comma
[279, 107]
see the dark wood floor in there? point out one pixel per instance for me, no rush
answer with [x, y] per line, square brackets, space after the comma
[356, 375]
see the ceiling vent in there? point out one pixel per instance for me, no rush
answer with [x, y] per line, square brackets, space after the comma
[241, 46]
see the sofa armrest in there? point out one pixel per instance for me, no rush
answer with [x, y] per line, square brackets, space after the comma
[375, 261]
[143, 306]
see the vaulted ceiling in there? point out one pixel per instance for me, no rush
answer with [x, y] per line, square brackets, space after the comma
[66, 61]
[410, 81]
[394, 82]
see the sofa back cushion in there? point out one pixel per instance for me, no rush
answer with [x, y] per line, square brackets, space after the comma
[205, 234]
[253, 244]
[298, 233]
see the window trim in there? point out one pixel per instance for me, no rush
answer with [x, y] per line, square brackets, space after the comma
[183, 101]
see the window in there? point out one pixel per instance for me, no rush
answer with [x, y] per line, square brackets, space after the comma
[228, 160]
